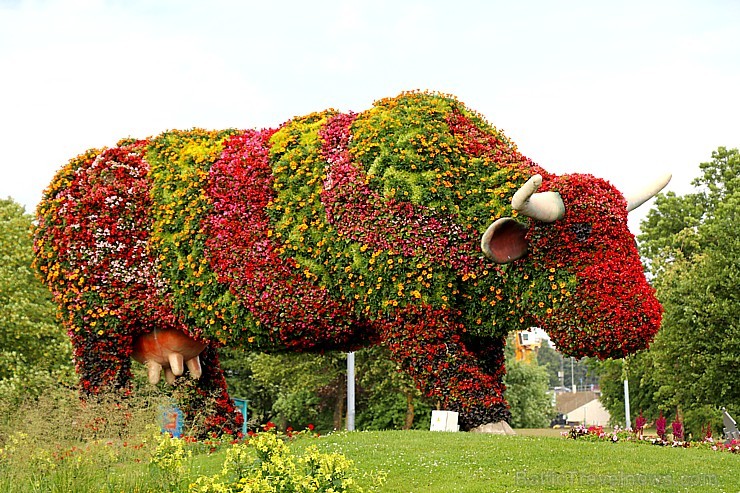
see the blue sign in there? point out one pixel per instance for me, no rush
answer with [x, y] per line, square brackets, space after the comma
[172, 421]
[241, 405]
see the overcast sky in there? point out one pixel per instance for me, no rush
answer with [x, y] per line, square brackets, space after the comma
[618, 89]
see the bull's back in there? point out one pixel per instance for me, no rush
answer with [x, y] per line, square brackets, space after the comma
[272, 237]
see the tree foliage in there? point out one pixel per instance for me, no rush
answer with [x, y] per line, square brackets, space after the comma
[692, 246]
[388, 398]
[527, 393]
[639, 370]
[289, 389]
[683, 227]
[34, 351]
[300, 389]
[574, 371]
[552, 361]
[527, 386]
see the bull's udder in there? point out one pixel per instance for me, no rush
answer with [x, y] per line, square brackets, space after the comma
[169, 350]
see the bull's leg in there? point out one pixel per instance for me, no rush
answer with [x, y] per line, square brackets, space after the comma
[428, 345]
[488, 352]
[102, 362]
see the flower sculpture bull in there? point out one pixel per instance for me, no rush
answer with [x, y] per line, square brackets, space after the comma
[415, 224]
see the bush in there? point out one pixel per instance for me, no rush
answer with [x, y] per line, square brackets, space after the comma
[266, 465]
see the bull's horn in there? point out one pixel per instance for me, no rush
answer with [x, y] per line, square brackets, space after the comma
[543, 206]
[635, 200]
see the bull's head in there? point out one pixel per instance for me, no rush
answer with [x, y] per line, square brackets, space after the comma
[577, 263]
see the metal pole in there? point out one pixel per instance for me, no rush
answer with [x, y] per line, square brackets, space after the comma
[572, 376]
[350, 391]
[561, 373]
[627, 404]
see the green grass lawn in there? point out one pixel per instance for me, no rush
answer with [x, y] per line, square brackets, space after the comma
[410, 461]
[427, 462]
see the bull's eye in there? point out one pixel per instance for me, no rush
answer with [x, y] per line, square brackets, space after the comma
[581, 230]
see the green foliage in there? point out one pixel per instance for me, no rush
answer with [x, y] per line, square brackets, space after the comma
[696, 351]
[267, 465]
[290, 389]
[552, 361]
[34, 351]
[680, 227]
[59, 443]
[526, 392]
[300, 389]
[639, 369]
[387, 399]
[237, 366]
[576, 371]
[169, 459]
[527, 385]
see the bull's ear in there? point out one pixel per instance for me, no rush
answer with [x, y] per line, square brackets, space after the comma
[504, 241]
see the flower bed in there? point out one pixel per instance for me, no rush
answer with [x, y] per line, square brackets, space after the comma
[617, 434]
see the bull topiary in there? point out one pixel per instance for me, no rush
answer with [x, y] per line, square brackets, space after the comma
[414, 224]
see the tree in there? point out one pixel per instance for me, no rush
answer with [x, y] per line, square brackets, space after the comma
[527, 385]
[670, 232]
[34, 351]
[639, 369]
[527, 394]
[697, 349]
[577, 371]
[388, 398]
[237, 366]
[298, 389]
[552, 361]
[692, 248]
[290, 389]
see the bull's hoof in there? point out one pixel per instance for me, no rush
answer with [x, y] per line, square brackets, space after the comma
[169, 350]
[500, 428]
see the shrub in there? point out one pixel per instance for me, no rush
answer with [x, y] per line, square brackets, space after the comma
[168, 458]
[266, 465]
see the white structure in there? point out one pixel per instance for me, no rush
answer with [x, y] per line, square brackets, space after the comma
[591, 413]
[529, 338]
[351, 391]
[444, 421]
